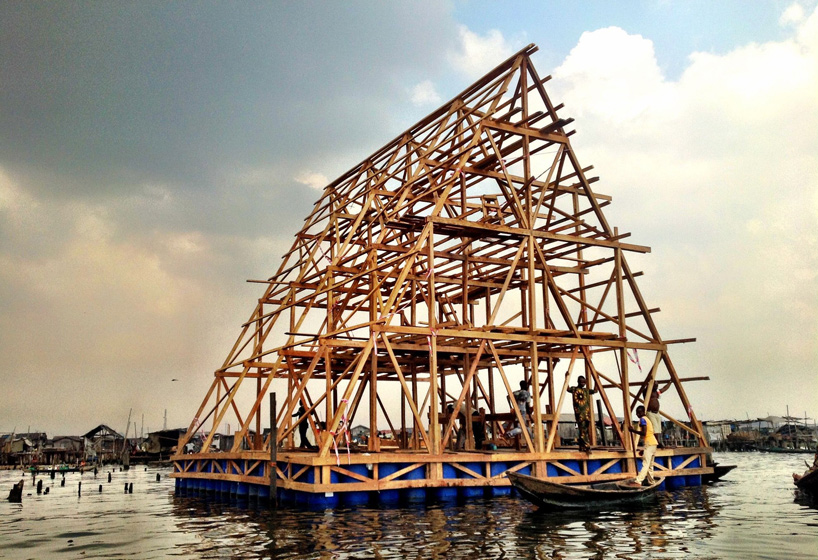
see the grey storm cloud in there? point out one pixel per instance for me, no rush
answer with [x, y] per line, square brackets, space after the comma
[117, 93]
[148, 159]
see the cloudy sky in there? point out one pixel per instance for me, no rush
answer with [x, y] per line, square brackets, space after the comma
[155, 155]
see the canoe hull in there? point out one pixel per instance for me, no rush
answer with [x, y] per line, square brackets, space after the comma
[809, 482]
[552, 495]
[718, 472]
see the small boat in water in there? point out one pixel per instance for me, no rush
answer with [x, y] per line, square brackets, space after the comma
[718, 472]
[808, 482]
[553, 495]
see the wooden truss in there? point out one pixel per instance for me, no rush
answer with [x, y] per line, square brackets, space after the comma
[467, 254]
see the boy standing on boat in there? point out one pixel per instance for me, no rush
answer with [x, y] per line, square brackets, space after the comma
[649, 441]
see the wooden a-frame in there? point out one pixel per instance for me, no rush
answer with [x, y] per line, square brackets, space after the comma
[467, 254]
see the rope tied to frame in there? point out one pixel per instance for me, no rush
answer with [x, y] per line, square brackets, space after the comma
[634, 358]
[429, 337]
[343, 428]
[324, 255]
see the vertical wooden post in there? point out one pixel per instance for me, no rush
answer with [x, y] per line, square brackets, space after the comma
[539, 441]
[628, 444]
[218, 399]
[258, 441]
[415, 424]
[273, 452]
[551, 382]
[601, 422]
[467, 420]
[434, 424]
[374, 442]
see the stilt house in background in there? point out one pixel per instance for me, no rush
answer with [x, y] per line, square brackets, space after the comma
[466, 255]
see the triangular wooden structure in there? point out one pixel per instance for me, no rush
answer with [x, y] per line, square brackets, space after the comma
[465, 255]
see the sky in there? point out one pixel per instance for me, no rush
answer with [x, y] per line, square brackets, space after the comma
[156, 155]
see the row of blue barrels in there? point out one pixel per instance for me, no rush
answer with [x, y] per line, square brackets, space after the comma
[225, 489]
[246, 491]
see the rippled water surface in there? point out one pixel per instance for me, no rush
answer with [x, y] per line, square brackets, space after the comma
[754, 514]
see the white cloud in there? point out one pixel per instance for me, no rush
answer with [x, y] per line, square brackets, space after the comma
[256, 176]
[8, 192]
[794, 14]
[479, 54]
[624, 72]
[188, 243]
[425, 93]
[719, 172]
[312, 179]
[16, 206]
[160, 194]
[807, 33]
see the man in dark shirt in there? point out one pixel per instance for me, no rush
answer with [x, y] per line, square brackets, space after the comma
[582, 412]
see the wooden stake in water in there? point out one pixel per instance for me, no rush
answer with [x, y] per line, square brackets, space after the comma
[16, 494]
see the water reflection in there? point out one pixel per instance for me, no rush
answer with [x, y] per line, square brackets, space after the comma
[668, 525]
[805, 499]
[754, 514]
[496, 528]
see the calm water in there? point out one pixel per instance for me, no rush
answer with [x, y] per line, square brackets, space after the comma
[753, 514]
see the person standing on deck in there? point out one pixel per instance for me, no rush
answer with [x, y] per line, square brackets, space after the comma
[303, 427]
[460, 429]
[653, 411]
[649, 441]
[522, 398]
[460, 444]
[582, 412]
[478, 427]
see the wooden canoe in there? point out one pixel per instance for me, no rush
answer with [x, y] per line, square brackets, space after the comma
[718, 472]
[809, 482]
[553, 495]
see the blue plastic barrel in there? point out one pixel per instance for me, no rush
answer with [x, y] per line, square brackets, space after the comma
[496, 469]
[471, 491]
[414, 495]
[355, 498]
[445, 493]
[388, 497]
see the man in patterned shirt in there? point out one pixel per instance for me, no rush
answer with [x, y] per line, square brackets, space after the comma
[582, 412]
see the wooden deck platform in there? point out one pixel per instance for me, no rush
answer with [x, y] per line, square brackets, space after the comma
[361, 477]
